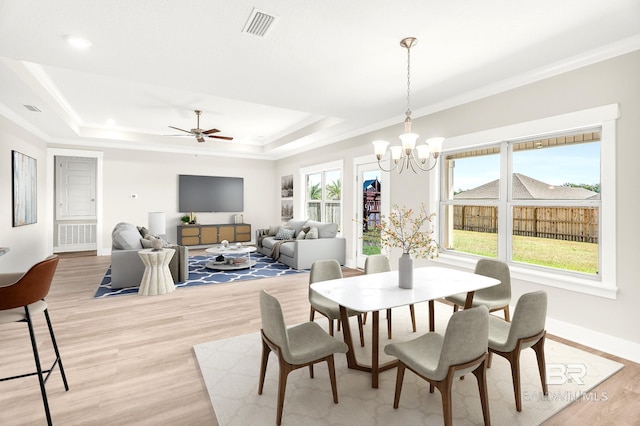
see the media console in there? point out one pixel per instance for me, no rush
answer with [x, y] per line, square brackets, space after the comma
[193, 235]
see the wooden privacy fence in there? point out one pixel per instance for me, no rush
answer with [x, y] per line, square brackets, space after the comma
[560, 223]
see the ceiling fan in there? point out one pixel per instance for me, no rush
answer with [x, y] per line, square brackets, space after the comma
[201, 134]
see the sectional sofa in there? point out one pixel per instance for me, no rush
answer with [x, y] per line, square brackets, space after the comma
[299, 243]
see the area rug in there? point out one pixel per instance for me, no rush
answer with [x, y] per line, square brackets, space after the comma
[230, 370]
[265, 267]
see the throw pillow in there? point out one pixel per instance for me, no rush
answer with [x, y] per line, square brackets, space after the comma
[296, 225]
[273, 230]
[143, 231]
[125, 236]
[325, 229]
[145, 243]
[301, 235]
[284, 234]
[312, 234]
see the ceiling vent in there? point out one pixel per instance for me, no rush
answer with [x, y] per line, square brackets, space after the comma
[259, 23]
[32, 108]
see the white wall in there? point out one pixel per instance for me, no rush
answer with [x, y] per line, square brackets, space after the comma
[28, 243]
[153, 177]
[610, 325]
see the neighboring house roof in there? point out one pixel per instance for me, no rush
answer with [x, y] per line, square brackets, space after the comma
[525, 187]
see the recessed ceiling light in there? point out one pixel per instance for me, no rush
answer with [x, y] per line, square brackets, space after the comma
[77, 42]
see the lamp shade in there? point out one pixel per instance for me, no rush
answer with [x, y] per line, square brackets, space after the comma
[157, 223]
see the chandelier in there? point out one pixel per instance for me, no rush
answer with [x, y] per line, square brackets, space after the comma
[408, 156]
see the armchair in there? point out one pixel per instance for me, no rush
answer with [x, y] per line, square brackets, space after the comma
[127, 267]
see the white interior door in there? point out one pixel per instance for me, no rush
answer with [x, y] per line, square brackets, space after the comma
[370, 195]
[75, 188]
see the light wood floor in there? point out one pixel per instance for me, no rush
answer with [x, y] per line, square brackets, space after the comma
[129, 360]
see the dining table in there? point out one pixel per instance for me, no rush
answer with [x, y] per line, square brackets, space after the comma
[379, 292]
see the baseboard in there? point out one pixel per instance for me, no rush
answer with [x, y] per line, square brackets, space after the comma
[594, 339]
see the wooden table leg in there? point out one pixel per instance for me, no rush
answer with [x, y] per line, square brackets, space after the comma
[352, 362]
[375, 341]
[346, 333]
[469, 302]
[432, 319]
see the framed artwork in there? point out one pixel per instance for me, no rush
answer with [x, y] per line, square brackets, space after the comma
[286, 211]
[25, 187]
[286, 189]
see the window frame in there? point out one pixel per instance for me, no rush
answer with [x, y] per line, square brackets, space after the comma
[604, 285]
[323, 168]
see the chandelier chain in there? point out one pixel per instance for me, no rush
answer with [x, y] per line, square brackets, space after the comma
[408, 113]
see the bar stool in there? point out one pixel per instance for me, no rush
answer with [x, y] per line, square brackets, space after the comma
[21, 296]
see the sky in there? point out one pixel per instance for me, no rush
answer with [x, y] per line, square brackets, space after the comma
[579, 164]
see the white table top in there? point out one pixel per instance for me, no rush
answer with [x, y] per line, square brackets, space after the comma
[375, 292]
[231, 249]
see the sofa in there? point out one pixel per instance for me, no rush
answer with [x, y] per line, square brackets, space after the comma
[127, 267]
[299, 243]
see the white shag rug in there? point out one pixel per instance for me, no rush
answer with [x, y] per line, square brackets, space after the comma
[230, 369]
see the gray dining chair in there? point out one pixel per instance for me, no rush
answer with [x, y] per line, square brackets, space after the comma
[299, 346]
[439, 359]
[377, 263]
[527, 330]
[495, 298]
[324, 270]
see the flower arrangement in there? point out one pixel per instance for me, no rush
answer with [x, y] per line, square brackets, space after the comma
[403, 229]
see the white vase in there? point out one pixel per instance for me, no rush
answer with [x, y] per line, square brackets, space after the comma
[405, 271]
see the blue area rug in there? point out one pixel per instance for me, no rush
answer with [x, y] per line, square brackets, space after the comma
[265, 267]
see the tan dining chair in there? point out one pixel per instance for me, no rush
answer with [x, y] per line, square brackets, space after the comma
[439, 359]
[377, 263]
[495, 298]
[323, 270]
[21, 297]
[527, 330]
[296, 347]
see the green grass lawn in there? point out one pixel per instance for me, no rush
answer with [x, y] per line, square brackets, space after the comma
[569, 255]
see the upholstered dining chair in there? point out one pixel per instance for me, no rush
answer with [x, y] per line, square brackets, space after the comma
[439, 359]
[527, 330]
[296, 347]
[377, 263]
[495, 298]
[323, 270]
[21, 297]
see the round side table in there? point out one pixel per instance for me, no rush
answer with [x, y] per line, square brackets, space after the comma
[157, 276]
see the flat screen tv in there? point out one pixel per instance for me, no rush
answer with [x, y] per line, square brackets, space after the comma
[210, 194]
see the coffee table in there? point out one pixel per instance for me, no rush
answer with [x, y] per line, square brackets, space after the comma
[231, 250]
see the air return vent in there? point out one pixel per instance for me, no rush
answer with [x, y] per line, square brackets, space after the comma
[32, 108]
[259, 23]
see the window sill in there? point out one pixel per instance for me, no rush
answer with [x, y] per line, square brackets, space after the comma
[549, 279]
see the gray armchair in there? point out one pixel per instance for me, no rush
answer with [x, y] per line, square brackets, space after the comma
[439, 359]
[324, 270]
[495, 298]
[296, 347]
[127, 267]
[526, 331]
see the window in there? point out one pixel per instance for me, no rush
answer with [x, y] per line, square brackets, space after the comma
[545, 205]
[552, 201]
[323, 194]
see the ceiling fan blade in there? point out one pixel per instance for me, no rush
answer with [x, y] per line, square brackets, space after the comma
[200, 139]
[182, 130]
[208, 132]
[227, 138]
